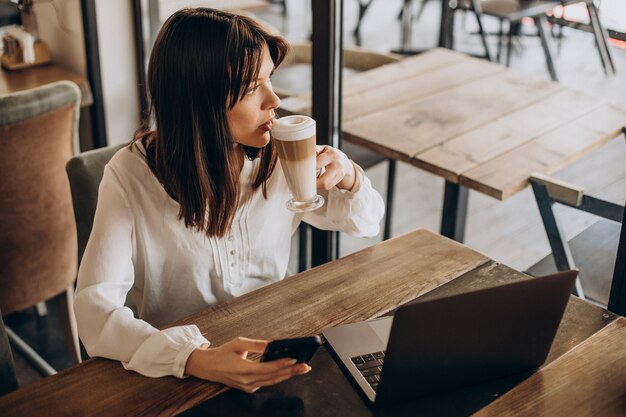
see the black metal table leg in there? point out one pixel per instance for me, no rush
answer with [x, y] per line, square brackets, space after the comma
[391, 176]
[454, 213]
[303, 246]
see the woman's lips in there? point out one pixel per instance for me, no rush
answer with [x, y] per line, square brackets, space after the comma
[267, 126]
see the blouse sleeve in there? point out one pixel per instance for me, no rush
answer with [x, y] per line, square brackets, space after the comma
[106, 326]
[357, 212]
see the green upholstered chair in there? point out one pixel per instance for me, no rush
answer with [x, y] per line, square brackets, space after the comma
[84, 172]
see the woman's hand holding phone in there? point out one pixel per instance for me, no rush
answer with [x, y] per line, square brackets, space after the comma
[228, 364]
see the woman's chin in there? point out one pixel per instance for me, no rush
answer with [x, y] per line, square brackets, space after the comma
[262, 141]
[257, 142]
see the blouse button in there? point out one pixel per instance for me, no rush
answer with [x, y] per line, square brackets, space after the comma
[232, 252]
[232, 265]
[230, 238]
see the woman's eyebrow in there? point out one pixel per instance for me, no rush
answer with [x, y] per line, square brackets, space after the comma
[262, 78]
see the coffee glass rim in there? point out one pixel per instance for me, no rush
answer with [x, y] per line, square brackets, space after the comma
[293, 128]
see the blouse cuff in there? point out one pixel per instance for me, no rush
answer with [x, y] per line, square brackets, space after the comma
[181, 359]
[166, 352]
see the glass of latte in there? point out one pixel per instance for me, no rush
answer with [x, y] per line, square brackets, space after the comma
[294, 137]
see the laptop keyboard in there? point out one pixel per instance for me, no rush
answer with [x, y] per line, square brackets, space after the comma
[370, 365]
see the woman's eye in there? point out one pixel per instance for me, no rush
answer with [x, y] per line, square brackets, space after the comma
[252, 90]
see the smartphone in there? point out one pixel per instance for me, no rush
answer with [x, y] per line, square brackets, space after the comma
[301, 349]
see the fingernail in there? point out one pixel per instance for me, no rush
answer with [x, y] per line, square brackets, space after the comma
[291, 362]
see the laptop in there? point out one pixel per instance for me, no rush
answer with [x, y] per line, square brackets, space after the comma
[441, 344]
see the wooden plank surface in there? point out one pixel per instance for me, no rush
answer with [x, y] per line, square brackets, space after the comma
[413, 127]
[394, 75]
[363, 285]
[469, 150]
[374, 97]
[432, 61]
[505, 175]
[589, 380]
[14, 81]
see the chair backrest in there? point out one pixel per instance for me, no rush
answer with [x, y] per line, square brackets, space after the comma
[84, 172]
[8, 380]
[548, 191]
[38, 135]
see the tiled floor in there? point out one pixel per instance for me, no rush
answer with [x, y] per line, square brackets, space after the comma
[508, 231]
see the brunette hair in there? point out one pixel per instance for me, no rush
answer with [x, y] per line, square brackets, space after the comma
[201, 65]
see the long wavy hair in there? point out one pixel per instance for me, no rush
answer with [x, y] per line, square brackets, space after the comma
[201, 64]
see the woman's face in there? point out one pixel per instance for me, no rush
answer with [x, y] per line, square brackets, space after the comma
[250, 120]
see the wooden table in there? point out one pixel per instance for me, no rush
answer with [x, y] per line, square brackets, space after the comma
[14, 81]
[589, 380]
[361, 286]
[477, 124]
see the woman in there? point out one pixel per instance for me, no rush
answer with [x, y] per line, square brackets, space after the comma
[193, 213]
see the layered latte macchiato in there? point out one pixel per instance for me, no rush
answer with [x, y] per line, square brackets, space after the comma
[295, 142]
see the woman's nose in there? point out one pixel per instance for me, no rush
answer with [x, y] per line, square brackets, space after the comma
[273, 101]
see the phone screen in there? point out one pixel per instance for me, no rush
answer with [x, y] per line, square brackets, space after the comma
[301, 349]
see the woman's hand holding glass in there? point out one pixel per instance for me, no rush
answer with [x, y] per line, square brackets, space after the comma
[228, 364]
[335, 169]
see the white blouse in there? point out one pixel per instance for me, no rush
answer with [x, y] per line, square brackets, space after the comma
[143, 268]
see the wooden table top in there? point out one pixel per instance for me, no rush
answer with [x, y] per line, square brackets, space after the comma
[15, 81]
[346, 290]
[328, 392]
[589, 380]
[360, 286]
[470, 121]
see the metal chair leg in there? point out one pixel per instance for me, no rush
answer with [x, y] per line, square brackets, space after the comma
[29, 354]
[483, 37]
[601, 36]
[363, 6]
[509, 49]
[560, 249]
[541, 22]
[500, 43]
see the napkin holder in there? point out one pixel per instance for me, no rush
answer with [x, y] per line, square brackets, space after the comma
[21, 51]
